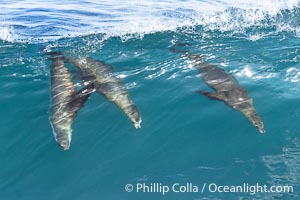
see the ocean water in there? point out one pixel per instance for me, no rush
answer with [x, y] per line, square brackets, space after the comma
[185, 137]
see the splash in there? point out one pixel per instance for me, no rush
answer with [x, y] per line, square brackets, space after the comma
[247, 71]
[292, 75]
[6, 34]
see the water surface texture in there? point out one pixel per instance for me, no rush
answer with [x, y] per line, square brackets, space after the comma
[185, 137]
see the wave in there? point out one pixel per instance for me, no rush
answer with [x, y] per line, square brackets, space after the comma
[284, 167]
[43, 21]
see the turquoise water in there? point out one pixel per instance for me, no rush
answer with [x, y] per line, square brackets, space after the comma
[185, 137]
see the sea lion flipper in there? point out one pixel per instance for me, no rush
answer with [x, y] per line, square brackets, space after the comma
[81, 96]
[85, 91]
[210, 95]
[79, 76]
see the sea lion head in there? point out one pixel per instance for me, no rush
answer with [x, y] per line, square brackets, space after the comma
[63, 138]
[247, 108]
[136, 120]
[135, 116]
[65, 144]
[254, 118]
[256, 121]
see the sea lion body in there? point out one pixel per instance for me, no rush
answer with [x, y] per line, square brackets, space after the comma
[227, 89]
[106, 84]
[66, 101]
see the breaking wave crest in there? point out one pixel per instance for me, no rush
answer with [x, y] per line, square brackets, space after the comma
[33, 22]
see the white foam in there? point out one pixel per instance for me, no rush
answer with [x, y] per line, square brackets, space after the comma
[256, 37]
[252, 73]
[292, 75]
[6, 34]
[246, 72]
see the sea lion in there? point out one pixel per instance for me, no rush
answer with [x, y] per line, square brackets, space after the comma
[66, 101]
[108, 85]
[227, 90]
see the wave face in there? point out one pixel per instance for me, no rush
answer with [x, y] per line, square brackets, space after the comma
[185, 137]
